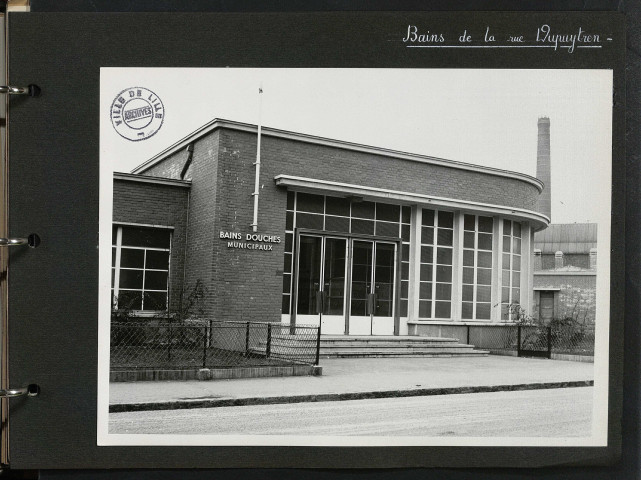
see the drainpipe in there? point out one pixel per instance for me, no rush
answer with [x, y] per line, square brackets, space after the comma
[254, 224]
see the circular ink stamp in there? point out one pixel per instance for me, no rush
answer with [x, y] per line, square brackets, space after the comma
[137, 113]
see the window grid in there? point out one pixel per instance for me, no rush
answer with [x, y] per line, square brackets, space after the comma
[344, 216]
[511, 265]
[476, 301]
[147, 302]
[436, 257]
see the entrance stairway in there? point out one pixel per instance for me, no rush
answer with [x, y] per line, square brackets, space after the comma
[348, 346]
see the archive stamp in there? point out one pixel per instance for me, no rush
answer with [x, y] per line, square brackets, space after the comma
[137, 113]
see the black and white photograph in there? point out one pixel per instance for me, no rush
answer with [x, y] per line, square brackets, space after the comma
[341, 257]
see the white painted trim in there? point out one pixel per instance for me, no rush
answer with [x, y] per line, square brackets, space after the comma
[459, 323]
[312, 184]
[146, 225]
[563, 274]
[128, 177]
[311, 139]
[547, 289]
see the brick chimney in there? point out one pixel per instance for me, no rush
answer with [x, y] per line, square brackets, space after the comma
[543, 167]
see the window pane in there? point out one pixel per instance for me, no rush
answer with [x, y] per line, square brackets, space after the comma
[155, 301]
[468, 240]
[469, 222]
[466, 311]
[468, 258]
[516, 259]
[507, 242]
[506, 278]
[363, 209]
[443, 273]
[114, 234]
[289, 221]
[308, 202]
[405, 233]
[403, 312]
[427, 235]
[405, 288]
[517, 229]
[484, 276]
[287, 283]
[425, 309]
[337, 206]
[468, 275]
[405, 252]
[445, 219]
[130, 258]
[129, 300]
[155, 280]
[443, 291]
[387, 229]
[445, 237]
[516, 279]
[507, 227]
[486, 224]
[444, 256]
[516, 245]
[285, 305]
[426, 272]
[428, 217]
[157, 260]
[289, 242]
[468, 293]
[506, 261]
[145, 237]
[131, 279]
[485, 241]
[406, 213]
[287, 263]
[363, 226]
[443, 310]
[505, 295]
[483, 311]
[290, 200]
[485, 259]
[483, 294]
[405, 270]
[113, 257]
[337, 224]
[387, 212]
[516, 295]
[307, 220]
[427, 254]
[425, 291]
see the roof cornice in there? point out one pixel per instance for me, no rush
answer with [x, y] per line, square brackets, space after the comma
[311, 139]
[130, 177]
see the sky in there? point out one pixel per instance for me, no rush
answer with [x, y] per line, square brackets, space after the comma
[482, 117]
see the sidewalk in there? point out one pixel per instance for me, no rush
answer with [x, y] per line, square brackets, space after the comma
[348, 379]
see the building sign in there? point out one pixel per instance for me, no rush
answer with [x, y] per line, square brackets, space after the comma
[250, 241]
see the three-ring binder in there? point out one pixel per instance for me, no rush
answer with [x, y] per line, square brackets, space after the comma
[30, 391]
[9, 242]
[31, 90]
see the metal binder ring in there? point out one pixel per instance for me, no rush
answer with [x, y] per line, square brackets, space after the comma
[9, 242]
[11, 90]
[30, 391]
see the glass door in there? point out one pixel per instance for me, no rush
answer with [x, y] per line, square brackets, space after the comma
[320, 284]
[372, 288]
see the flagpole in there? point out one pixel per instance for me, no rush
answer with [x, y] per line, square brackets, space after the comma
[254, 224]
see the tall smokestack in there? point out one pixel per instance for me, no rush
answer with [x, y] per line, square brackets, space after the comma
[543, 168]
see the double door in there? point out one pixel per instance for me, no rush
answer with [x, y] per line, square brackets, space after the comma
[346, 284]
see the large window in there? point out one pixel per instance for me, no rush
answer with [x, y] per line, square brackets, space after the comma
[435, 289]
[345, 215]
[140, 267]
[477, 268]
[511, 284]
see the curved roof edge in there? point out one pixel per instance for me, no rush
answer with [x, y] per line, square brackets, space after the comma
[302, 137]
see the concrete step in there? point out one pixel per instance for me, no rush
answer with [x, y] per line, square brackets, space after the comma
[359, 354]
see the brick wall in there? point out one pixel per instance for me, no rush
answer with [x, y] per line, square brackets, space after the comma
[576, 297]
[155, 204]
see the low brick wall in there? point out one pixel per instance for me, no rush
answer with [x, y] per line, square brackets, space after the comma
[213, 373]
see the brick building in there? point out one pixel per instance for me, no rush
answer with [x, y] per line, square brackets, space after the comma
[565, 257]
[362, 239]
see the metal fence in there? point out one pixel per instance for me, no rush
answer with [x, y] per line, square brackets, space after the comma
[532, 340]
[211, 344]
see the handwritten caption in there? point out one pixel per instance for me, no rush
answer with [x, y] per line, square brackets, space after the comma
[544, 37]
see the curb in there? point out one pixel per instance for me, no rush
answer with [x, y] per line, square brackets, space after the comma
[334, 397]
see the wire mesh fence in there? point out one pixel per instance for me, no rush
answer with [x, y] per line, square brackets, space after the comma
[533, 340]
[211, 344]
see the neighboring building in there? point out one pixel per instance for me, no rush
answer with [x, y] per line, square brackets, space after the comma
[565, 257]
[373, 241]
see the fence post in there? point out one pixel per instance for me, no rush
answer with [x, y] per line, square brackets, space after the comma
[268, 349]
[171, 339]
[318, 345]
[518, 340]
[468, 335]
[247, 340]
[549, 342]
[204, 347]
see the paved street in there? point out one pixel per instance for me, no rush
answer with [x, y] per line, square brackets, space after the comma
[562, 412]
